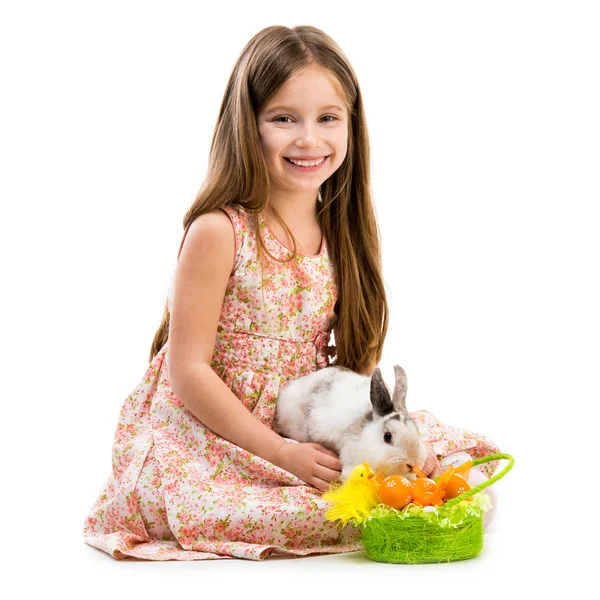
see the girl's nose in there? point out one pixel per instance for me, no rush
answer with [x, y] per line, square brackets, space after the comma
[309, 136]
[306, 143]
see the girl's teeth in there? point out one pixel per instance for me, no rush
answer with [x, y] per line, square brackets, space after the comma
[305, 163]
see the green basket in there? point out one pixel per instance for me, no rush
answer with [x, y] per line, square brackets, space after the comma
[453, 531]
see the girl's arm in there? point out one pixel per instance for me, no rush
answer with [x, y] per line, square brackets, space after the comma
[201, 278]
[207, 397]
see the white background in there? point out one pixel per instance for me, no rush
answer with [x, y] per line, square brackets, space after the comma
[484, 124]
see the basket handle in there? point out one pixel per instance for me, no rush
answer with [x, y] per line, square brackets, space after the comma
[481, 486]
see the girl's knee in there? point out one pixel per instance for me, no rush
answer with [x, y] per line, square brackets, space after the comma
[476, 476]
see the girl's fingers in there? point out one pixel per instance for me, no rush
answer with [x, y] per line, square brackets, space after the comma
[331, 462]
[431, 463]
[320, 484]
[325, 450]
[325, 474]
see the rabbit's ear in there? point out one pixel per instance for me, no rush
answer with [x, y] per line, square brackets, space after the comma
[399, 395]
[380, 395]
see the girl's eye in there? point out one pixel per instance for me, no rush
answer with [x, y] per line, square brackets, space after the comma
[325, 117]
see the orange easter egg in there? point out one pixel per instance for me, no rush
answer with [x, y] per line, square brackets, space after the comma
[423, 489]
[395, 491]
[456, 486]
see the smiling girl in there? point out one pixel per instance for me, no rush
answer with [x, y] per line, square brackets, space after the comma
[280, 249]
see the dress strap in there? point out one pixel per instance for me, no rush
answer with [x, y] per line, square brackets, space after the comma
[238, 219]
[240, 229]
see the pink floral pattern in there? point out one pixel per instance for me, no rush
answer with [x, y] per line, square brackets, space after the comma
[178, 491]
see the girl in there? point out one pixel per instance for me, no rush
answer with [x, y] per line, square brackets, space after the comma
[281, 248]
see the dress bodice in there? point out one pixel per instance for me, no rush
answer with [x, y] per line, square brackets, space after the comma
[284, 322]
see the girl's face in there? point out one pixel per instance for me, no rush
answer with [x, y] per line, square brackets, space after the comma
[306, 119]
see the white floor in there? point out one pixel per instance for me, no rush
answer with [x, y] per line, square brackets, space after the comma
[506, 565]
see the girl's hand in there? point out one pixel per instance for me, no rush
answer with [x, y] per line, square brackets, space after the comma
[432, 467]
[314, 464]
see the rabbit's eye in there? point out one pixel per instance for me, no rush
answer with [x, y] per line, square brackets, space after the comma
[387, 437]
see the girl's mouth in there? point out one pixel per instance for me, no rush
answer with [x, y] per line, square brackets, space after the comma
[306, 169]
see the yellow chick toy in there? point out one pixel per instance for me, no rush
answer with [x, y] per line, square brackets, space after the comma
[354, 499]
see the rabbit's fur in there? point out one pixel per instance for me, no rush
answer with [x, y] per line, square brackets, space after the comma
[355, 416]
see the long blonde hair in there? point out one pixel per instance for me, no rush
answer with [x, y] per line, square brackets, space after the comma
[237, 174]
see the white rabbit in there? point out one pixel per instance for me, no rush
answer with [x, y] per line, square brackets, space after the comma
[355, 416]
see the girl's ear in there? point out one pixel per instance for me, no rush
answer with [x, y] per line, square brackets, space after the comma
[380, 396]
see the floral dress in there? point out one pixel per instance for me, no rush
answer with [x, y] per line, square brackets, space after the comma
[177, 490]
